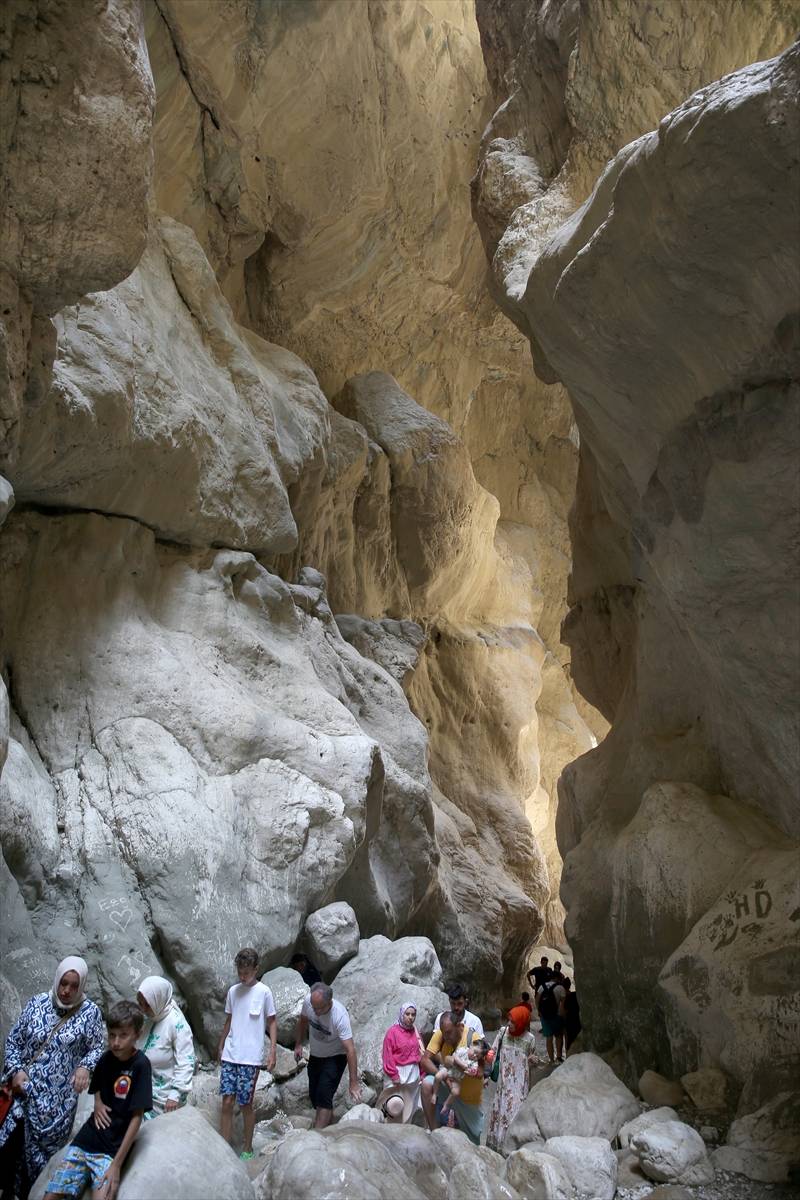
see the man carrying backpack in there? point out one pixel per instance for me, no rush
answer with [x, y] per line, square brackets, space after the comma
[548, 1003]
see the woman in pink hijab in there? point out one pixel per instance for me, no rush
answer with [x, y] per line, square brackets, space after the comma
[403, 1051]
[51, 1051]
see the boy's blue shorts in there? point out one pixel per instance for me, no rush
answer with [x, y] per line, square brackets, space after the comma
[79, 1167]
[239, 1080]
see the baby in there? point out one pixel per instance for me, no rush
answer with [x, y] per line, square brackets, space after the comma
[471, 1061]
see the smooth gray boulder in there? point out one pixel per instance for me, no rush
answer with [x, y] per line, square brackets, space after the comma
[535, 1173]
[673, 1152]
[176, 1156]
[583, 1097]
[289, 990]
[368, 1161]
[373, 985]
[589, 1162]
[652, 1117]
[764, 1166]
[331, 937]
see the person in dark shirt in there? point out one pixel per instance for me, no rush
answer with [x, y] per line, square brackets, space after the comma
[306, 969]
[122, 1089]
[540, 975]
[571, 1012]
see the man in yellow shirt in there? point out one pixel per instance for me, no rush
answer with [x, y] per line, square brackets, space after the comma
[466, 1107]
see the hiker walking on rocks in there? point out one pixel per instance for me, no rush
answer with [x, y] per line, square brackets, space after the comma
[51, 1051]
[250, 1011]
[515, 1045]
[570, 1012]
[167, 1041]
[538, 976]
[331, 1049]
[549, 1001]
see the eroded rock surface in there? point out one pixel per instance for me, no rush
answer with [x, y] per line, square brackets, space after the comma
[683, 378]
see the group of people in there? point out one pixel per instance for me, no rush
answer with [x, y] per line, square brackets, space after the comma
[139, 1064]
[558, 1008]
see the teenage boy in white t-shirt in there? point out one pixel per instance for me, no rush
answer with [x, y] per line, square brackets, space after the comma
[250, 1012]
[330, 1047]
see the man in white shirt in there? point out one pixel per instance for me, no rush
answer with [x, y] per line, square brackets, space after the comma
[331, 1049]
[458, 1005]
[250, 1011]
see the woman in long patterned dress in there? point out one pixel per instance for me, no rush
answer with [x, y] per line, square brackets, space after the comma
[51, 1052]
[517, 1051]
[167, 1041]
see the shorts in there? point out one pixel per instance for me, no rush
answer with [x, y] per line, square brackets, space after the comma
[239, 1080]
[324, 1075]
[77, 1168]
[552, 1027]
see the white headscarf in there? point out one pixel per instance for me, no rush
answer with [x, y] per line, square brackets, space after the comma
[79, 966]
[158, 994]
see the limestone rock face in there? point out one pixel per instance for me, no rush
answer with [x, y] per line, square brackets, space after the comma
[154, 381]
[684, 384]
[289, 990]
[75, 88]
[357, 254]
[271, 797]
[180, 1157]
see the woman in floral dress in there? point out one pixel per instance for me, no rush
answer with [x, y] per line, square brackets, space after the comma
[517, 1051]
[51, 1052]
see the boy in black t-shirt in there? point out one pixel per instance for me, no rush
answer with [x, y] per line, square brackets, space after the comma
[122, 1088]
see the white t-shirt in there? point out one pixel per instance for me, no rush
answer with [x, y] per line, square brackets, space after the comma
[327, 1032]
[469, 1019]
[249, 1008]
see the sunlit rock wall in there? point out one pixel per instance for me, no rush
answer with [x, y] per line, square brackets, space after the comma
[285, 548]
[667, 304]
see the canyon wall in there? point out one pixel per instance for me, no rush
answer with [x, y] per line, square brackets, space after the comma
[286, 547]
[661, 287]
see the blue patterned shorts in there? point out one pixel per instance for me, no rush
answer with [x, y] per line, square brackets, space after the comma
[239, 1080]
[77, 1168]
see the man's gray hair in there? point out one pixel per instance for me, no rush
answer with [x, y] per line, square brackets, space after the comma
[324, 990]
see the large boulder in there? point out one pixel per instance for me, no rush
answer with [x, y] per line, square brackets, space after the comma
[764, 1145]
[373, 985]
[653, 1116]
[709, 1089]
[289, 990]
[382, 1162]
[332, 936]
[583, 1097]
[534, 1173]
[673, 1152]
[655, 1089]
[178, 1156]
[589, 1162]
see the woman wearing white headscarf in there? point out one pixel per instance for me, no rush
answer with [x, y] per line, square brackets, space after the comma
[167, 1041]
[51, 1051]
[403, 1053]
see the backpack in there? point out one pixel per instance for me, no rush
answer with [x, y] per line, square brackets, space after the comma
[548, 1004]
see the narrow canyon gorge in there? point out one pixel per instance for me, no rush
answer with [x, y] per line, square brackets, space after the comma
[399, 494]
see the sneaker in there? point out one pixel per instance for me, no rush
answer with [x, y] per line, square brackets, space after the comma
[246, 1155]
